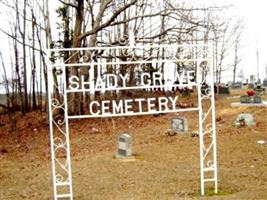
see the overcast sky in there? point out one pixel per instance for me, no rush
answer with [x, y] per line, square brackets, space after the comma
[254, 14]
[254, 36]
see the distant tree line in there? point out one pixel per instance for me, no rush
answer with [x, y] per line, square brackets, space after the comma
[87, 23]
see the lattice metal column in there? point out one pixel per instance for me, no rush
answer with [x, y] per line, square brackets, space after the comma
[59, 132]
[207, 123]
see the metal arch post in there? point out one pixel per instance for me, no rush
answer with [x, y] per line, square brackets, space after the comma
[67, 135]
[200, 130]
[59, 137]
[50, 91]
[207, 128]
[213, 113]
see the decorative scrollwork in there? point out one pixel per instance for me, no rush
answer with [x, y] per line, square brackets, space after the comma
[55, 103]
[208, 129]
[58, 71]
[59, 143]
[59, 178]
[210, 163]
[123, 40]
[84, 58]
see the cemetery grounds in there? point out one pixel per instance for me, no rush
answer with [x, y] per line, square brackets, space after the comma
[164, 167]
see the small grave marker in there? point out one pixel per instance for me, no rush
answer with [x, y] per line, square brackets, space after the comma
[257, 99]
[124, 146]
[247, 118]
[179, 124]
[259, 89]
[237, 85]
[244, 99]
[224, 90]
[229, 83]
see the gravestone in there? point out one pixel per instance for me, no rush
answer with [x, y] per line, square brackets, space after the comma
[257, 99]
[124, 145]
[224, 90]
[229, 83]
[244, 99]
[179, 125]
[264, 84]
[247, 118]
[251, 86]
[259, 89]
[237, 85]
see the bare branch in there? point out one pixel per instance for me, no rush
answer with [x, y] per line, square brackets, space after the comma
[161, 13]
[14, 38]
[109, 21]
[68, 4]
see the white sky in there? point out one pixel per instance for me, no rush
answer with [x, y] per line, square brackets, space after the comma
[254, 36]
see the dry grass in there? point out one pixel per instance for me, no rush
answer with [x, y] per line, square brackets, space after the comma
[164, 168]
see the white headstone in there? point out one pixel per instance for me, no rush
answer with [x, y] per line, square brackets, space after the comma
[247, 117]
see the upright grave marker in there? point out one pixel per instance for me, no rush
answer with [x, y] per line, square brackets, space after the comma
[257, 99]
[244, 99]
[259, 89]
[223, 90]
[179, 124]
[237, 85]
[124, 146]
[70, 89]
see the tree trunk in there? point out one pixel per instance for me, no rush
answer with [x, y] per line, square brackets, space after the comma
[43, 70]
[17, 67]
[23, 35]
[76, 42]
[34, 104]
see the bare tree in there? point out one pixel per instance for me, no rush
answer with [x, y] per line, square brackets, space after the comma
[8, 106]
[107, 23]
[237, 42]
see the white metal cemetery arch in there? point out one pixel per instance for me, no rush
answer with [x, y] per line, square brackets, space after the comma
[59, 90]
